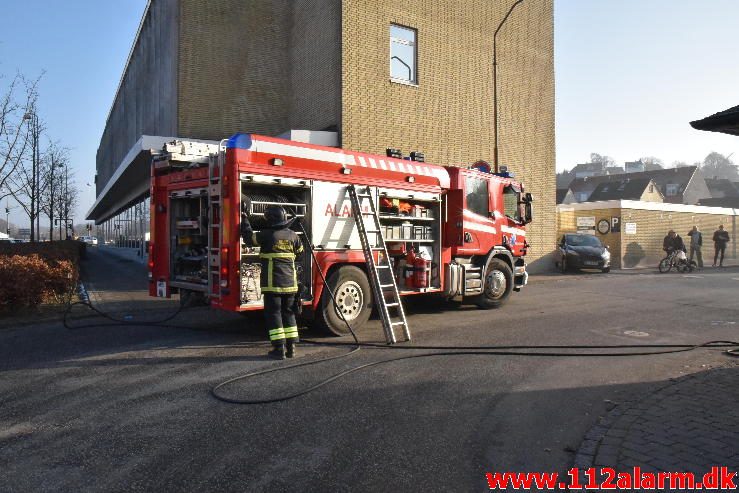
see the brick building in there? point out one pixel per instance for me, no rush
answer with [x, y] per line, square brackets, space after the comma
[638, 227]
[412, 74]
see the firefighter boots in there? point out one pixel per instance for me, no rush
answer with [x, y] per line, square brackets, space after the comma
[278, 352]
[291, 349]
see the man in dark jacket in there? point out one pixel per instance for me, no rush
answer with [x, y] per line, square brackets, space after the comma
[279, 247]
[672, 242]
[696, 243]
[720, 239]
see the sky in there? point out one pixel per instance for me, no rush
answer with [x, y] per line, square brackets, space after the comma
[81, 47]
[630, 75]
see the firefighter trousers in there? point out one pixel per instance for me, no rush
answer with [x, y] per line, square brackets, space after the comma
[279, 318]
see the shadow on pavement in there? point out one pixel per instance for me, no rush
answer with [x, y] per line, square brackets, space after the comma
[421, 425]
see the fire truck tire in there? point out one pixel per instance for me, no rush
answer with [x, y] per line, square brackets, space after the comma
[354, 297]
[498, 285]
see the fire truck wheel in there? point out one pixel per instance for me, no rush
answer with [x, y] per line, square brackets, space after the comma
[354, 299]
[498, 285]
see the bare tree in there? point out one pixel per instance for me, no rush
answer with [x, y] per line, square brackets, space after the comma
[68, 196]
[56, 159]
[18, 99]
[25, 183]
[716, 165]
[652, 163]
[680, 164]
[604, 160]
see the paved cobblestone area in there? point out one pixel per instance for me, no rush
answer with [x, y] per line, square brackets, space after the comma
[690, 424]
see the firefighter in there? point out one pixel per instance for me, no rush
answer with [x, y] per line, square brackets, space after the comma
[279, 247]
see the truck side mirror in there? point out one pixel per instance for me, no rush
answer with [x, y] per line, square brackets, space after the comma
[528, 212]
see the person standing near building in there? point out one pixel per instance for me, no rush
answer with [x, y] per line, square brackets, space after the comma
[279, 248]
[720, 239]
[696, 242]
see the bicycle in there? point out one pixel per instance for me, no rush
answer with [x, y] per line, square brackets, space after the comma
[678, 260]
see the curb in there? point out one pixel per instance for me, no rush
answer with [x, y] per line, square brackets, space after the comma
[602, 443]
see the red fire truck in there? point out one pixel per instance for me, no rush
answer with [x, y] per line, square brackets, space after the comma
[457, 233]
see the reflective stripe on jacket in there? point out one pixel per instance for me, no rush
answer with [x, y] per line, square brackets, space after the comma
[278, 251]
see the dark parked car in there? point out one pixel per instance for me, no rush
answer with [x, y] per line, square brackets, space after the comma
[582, 251]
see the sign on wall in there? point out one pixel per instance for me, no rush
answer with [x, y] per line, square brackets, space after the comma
[586, 224]
[615, 224]
[630, 228]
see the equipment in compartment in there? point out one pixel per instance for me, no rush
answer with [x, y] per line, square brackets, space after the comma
[191, 265]
[256, 198]
[188, 223]
[250, 277]
[260, 200]
[411, 227]
[189, 240]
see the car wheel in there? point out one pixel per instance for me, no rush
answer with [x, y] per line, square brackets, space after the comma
[498, 285]
[606, 270]
[354, 300]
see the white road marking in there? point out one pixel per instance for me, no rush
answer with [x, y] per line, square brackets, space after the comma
[694, 277]
[636, 333]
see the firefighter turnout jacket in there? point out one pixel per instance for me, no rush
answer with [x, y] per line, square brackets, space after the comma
[278, 250]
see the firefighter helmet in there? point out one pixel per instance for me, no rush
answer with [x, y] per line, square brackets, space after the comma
[275, 216]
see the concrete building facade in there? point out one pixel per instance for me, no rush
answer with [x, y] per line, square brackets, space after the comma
[205, 70]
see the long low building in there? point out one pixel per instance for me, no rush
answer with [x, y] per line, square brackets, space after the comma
[637, 228]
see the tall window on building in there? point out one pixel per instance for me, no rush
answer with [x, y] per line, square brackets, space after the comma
[403, 54]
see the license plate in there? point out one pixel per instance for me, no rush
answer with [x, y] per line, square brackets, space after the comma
[590, 262]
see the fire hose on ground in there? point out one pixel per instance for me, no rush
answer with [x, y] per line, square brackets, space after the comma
[620, 350]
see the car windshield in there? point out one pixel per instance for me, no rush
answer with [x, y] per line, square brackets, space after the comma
[582, 240]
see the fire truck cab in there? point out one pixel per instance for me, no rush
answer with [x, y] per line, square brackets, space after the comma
[451, 232]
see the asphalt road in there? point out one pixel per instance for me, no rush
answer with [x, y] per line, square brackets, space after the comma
[128, 408]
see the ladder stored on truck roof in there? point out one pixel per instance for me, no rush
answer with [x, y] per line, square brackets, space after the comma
[380, 272]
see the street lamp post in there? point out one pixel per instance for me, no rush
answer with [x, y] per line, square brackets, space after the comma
[66, 200]
[51, 197]
[495, 85]
[32, 116]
